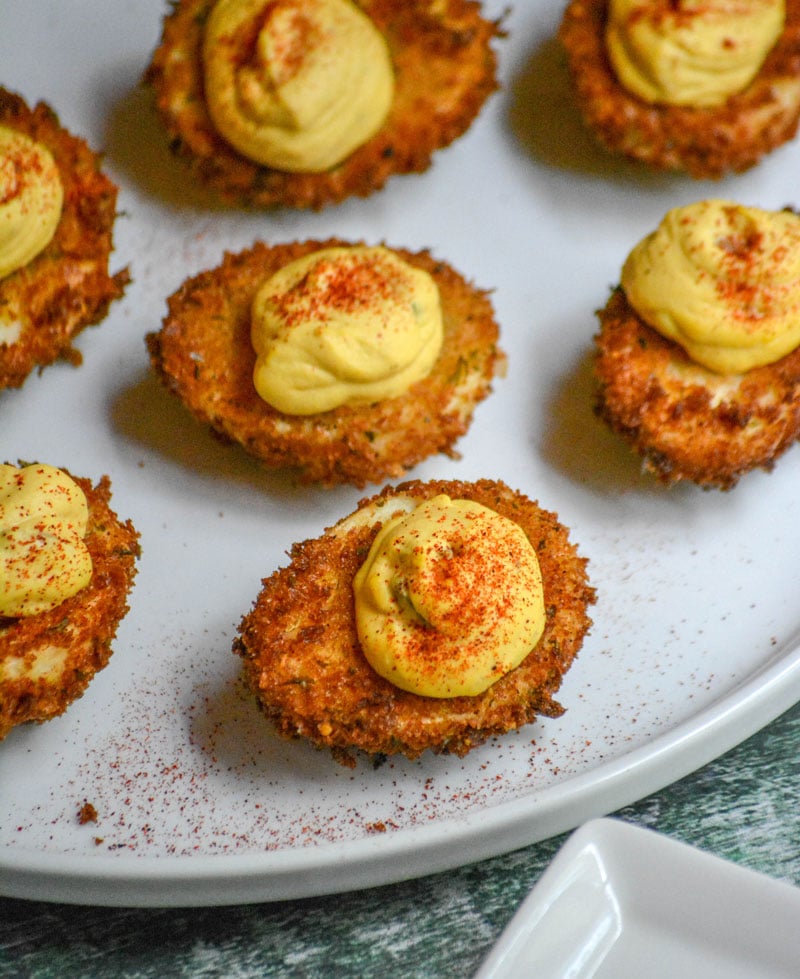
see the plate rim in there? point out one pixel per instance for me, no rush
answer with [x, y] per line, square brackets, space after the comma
[328, 868]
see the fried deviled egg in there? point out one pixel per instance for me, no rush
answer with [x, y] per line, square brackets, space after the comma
[435, 616]
[698, 353]
[67, 564]
[708, 88]
[303, 103]
[346, 362]
[57, 212]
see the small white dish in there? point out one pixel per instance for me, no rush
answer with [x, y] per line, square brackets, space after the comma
[621, 901]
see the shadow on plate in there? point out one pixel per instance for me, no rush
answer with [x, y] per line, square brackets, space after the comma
[228, 726]
[138, 145]
[147, 414]
[582, 447]
[545, 120]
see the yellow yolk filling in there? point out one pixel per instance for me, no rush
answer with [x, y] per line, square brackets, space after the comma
[723, 281]
[349, 325]
[31, 198]
[43, 557]
[449, 599]
[693, 53]
[296, 85]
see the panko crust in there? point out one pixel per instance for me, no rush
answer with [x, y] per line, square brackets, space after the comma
[687, 422]
[302, 659]
[77, 634]
[204, 355]
[703, 142]
[67, 286]
[445, 69]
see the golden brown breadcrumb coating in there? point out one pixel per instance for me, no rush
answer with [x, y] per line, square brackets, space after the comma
[67, 286]
[704, 142]
[204, 355]
[688, 422]
[47, 660]
[303, 661]
[444, 72]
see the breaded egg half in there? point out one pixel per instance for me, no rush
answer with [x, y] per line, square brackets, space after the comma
[686, 421]
[67, 286]
[302, 658]
[47, 660]
[204, 355]
[705, 142]
[444, 70]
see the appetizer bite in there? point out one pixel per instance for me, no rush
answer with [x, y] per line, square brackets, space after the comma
[435, 616]
[702, 87]
[67, 563]
[697, 354]
[57, 212]
[347, 362]
[303, 103]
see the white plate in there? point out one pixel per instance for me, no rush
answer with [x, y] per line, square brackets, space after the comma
[695, 643]
[619, 902]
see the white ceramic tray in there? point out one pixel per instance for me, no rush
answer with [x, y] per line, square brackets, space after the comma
[620, 902]
[695, 642]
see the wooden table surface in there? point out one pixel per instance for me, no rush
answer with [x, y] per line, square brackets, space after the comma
[743, 807]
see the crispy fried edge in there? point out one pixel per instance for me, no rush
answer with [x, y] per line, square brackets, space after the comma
[86, 622]
[204, 356]
[445, 69]
[302, 659]
[687, 422]
[67, 286]
[704, 142]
